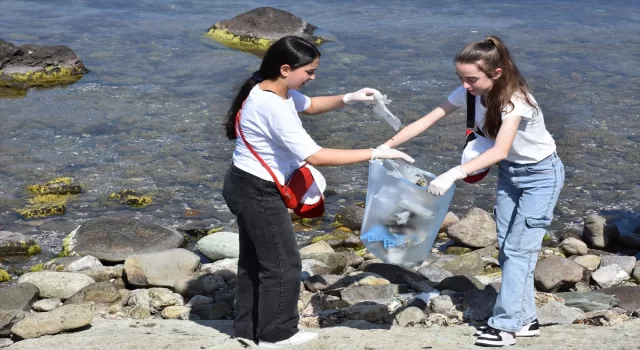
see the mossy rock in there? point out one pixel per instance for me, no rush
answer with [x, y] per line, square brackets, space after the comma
[4, 276]
[129, 197]
[37, 268]
[42, 211]
[256, 30]
[26, 66]
[454, 250]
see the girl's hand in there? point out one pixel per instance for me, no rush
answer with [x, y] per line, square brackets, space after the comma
[362, 95]
[442, 183]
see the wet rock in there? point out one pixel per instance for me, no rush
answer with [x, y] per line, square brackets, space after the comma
[627, 263]
[18, 297]
[46, 305]
[553, 273]
[113, 239]
[599, 232]
[590, 262]
[449, 220]
[367, 312]
[100, 293]
[161, 268]
[408, 316]
[478, 304]
[573, 246]
[350, 217]
[460, 283]
[327, 282]
[318, 247]
[220, 245]
[434, 273]
[256, 30]
[64, 318]
[557, 313]
[12, 243]
[636, 272]
[56, 284]
[25, 66]
[589, 301]
[357, 294]
[629, 297]
[202, 283]
[225, 268]
[8, 318]
[465, 264]
[477, 229]
[336, 261]
[215, 311]
[199, 300]
[610, 276]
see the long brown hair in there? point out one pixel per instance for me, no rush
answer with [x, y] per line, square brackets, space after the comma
[488, 55]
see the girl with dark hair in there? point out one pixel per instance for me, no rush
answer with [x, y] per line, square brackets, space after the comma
[269, 265]
[529, 181]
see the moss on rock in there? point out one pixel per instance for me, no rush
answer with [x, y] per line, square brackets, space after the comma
[129, 197]
[4, 276]
[37, 268]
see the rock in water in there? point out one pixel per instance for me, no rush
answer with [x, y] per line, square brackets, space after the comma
[113, 240]
[256, 30]
[25, 66]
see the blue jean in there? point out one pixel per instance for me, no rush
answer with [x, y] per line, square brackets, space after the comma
[526, 196]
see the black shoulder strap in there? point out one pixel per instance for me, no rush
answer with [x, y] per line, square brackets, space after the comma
[471, 111]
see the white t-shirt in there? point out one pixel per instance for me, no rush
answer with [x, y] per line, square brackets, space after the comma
[273, 129]
[532, 143]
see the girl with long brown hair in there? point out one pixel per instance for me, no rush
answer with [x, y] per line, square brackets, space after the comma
[530, 178]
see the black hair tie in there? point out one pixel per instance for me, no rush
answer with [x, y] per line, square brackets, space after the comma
[257, 76]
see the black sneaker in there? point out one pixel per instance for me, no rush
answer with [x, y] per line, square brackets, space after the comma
[528, 330]
[495, 337]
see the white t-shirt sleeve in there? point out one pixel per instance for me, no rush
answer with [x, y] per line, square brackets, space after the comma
[301, 101]
[288, 131]
[458, 98]
[520, 108]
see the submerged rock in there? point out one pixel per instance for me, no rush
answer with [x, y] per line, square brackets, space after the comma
[22, 67]
[256, 30]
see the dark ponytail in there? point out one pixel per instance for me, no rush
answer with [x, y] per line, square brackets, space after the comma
[290, 50]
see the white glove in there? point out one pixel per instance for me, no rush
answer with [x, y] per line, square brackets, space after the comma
[383, 146]
[442, 183]
[362, 95]
[390, 153]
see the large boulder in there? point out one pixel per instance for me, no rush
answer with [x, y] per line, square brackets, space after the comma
[256, 30]
[57, 284]
[599, 232]
[18, 297]
[64, 318]
[161, 269]
[477, 229]
[554, 273]
[25, 66]
[220, 245]
[114, 239]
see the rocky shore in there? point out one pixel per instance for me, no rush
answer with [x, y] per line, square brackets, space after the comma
[132, 274]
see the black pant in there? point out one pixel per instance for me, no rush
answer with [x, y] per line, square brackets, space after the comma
[269, 265]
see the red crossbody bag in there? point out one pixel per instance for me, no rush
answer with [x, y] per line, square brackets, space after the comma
[295, 187]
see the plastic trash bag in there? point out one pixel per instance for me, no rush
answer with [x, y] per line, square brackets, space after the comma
[381, 109]
[401, 218]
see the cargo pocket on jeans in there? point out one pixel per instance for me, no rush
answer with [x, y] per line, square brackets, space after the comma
[533, 233]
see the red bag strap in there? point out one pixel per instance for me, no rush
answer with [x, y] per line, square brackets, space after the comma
[255, 154]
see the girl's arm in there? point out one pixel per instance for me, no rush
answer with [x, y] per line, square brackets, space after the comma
[332, 156]
[322, 104]
[419, 126]
[499, 151]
